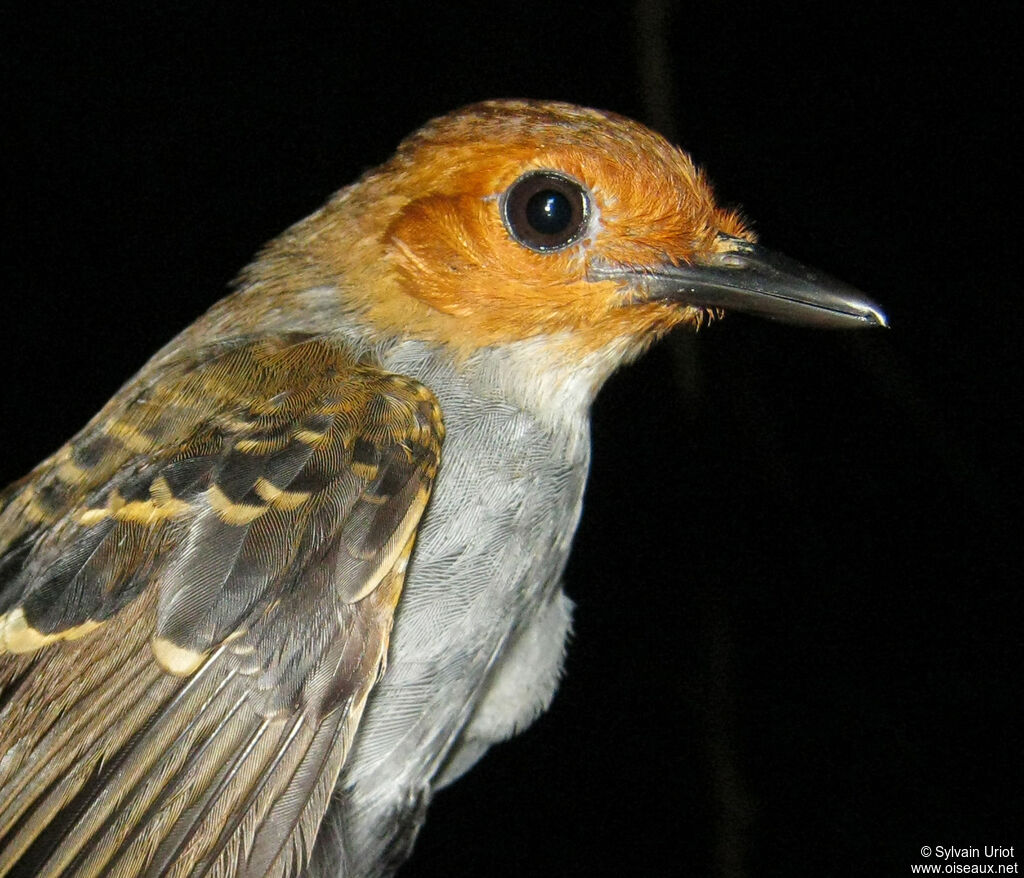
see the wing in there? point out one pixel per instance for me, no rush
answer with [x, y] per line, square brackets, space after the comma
[196, 598]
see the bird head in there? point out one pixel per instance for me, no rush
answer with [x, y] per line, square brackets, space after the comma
[510, 221]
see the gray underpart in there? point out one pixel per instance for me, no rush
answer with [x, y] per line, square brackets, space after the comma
[480, 630]
[520, 689]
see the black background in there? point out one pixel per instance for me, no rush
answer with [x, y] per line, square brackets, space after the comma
[798, 642]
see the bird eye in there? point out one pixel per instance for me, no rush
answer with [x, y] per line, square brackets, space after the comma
[544, 210]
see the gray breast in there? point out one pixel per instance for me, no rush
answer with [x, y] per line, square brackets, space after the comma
[490, 549]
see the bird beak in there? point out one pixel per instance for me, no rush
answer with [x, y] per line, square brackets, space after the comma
[746, 277]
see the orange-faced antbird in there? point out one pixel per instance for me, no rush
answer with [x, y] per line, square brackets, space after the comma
[304, 568]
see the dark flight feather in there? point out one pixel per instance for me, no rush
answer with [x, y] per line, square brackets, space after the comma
[197, 601]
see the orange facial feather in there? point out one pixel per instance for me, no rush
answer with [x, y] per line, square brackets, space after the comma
[419, 245]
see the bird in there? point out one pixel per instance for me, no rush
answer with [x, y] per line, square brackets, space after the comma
[305, 567]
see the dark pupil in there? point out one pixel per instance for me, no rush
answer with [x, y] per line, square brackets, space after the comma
[548, 212]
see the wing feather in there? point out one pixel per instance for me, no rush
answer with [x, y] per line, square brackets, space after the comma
[198, 593]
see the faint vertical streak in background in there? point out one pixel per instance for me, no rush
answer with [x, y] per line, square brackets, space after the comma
[732, 806]
[733, 811]
[655, 66]
[657, 92]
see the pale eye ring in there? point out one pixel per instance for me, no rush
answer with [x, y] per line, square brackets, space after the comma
[545, 210]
